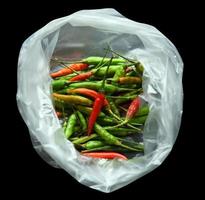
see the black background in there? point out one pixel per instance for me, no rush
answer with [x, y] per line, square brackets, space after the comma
[29, 175]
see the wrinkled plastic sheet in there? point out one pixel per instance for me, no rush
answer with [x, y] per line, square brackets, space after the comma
[83, 34]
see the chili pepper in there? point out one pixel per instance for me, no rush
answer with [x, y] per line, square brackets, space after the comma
[133, 108]
[70, 125]
[84, 139]
[87, 92]
[127, 96]
[93, 144]
[98, 104]
[105, 155]
[87, 110]
[109, 138]
[73, 99]
[95, 60]
[129, 80]
[125, 99]
[58, 84]
[65, 71]
[131, 112]
[97, 85]
[111, 71]
[82, 120]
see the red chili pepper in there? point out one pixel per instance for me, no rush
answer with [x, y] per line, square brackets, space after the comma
[133, 108]
[106, 155]
[69, 69]
[87, 92]
[98, 104]
[82, 77]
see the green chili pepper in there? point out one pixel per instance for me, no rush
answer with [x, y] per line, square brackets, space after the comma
[94, 60]
[70, 125]
[97, 85]
[85, 139]
[126, 99]
[109, 138]
[82, 121]
[93, 144]
[111, 71]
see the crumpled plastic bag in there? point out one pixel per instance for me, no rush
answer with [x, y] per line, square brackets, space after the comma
[83, 34]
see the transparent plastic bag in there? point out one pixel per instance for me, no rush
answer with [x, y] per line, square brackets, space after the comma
[83, 34]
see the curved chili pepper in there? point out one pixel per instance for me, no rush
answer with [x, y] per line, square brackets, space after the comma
[87, 92]
[98, 103]
[109, 138]
[73, 99]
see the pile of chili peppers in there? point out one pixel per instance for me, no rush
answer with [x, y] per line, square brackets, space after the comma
[98, 104]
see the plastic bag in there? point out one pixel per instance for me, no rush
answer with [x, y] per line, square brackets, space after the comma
[82, 34]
